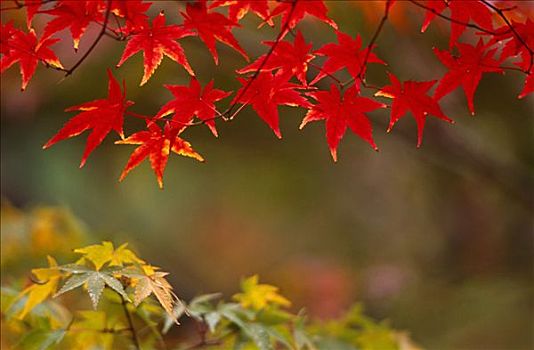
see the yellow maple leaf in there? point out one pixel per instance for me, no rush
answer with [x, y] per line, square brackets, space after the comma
[122, 255]
[38, 292]
[259, 296]
[100, 254]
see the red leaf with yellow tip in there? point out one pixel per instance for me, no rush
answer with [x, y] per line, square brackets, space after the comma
[75, 15]
[190, 101]
[102, 116]
[211, 26]
[466, 70]
[342, 112]
[155, 42]
[412, 96]
[433, 8]
[157, 144]
[237, 9]
[265, 93]
[25, 49]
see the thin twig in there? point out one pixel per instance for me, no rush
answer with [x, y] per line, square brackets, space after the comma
[111, 33]
[361, 76]
[153, 120]
[118, 23]
[135, 340]
[18, 5]
[15, 7]
[103, 330]
[203, 341]
[317, 67]
[330, 75]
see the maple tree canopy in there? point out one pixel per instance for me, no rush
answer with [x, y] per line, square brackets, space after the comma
[485, 37]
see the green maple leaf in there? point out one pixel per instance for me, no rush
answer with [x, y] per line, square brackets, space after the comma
[94, 280]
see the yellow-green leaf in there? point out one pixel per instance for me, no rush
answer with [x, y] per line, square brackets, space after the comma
[100, 254]
[258, 296]
[48, 279]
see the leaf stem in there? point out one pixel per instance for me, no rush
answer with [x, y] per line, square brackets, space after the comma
[135, 340]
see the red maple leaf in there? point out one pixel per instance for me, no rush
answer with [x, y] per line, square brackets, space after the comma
[266, 93]
[75, 15]
[25, 49]
[412, 96]
[101, 116]
[237, 9]
[513, 46]
[348, 54]
[341, 112]
[157, 146]
[211, 26]
[288, 59]
[462, 12]
[298, 9]
[6, 33]
[466, 70]
[192, 100]
[155, 42]
[133, 12]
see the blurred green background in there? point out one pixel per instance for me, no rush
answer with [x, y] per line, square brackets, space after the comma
[438, 239]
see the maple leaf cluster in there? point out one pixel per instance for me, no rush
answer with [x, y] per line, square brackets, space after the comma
[287, 74]
[100, 266]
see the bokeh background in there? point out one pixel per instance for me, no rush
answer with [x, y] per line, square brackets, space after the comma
[438, 239]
